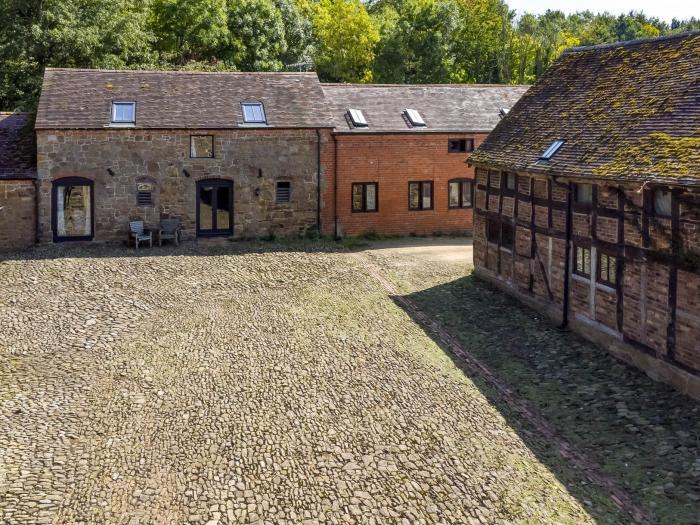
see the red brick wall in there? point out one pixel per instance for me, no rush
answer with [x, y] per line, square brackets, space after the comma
[17, 214]
[392, 160]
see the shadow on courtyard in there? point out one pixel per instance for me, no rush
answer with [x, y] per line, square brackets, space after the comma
[645, 435]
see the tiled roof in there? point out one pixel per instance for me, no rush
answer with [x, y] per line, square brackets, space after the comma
[448, 107]
[17, 146]
[628, 112]
[81, 98]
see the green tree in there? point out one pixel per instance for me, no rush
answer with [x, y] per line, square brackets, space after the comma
[345, 38]
[297, 32]
[257, 35]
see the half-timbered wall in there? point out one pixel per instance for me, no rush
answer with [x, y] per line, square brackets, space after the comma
[652, 309]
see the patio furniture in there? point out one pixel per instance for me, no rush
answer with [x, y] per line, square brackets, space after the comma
[140, 234]
[169, 231]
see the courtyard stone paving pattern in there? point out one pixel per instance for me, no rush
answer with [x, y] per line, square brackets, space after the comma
[251, 383]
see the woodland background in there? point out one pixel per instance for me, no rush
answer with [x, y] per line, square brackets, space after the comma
[389, 41]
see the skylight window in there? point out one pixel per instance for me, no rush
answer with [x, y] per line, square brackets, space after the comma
[253, 113]
[551, 150]
[123, 112]
[357, 118]
[503, 112]
[414, 117]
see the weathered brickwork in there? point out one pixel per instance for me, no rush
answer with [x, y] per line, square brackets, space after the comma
[392, 161]
[652, 306]
[17, 214]
[254, 160]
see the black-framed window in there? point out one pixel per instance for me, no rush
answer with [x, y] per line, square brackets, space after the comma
[214, 207]
[123, 113]
[607, 269]
[420, 195]
[493, 231]
[460, 145]
[459, 193]
[283, 191]
[509, 183]
[365, 197]
[202, 146]
[73, 209]
[583, 194]
[661, 201]
[582, 261]
[507, 235]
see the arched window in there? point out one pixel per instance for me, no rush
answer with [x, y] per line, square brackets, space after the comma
[73, 209]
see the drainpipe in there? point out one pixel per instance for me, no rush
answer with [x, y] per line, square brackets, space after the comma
[36, 210]
[567, 259]
[318, 181]
[335, 186]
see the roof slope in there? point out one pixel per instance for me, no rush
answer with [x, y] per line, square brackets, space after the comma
[81, 98]
[628, 112]
[448, 107]
[17, 146]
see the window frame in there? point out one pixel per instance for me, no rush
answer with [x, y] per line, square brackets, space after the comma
[511, 246]
[360, 121]
[497, 227]
[599, 271]
[289, 194]
[575, 270]
[652, 204]
[213, 153]
[415, 119]
[460, 185]
[582, 205]
[114, 122]
[505, 190]
[71, 181]
[364, 186]
[468, 145]
[262, 110]
[420, 201]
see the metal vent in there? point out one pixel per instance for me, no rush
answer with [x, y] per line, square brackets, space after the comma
[144, 198]
[283, 192]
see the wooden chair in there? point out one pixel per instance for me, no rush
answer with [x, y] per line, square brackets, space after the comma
[169, 231]
[140, 234]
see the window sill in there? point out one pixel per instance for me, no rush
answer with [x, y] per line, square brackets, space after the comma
[121, 125]
[605, 287]
[580, 278]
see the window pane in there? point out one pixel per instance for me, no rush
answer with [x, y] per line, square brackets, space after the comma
[73, 211]
[587, 261]
[223, 212]
[202, 146]
[123, 112]
[454, 194]
[584, 193]
[612, 269]
[427, 195]
[357, 197]
[579, 260]
[414, 195]
[206, 195]
[662, 203]
[371, 197]
[507, 235]
[253, 113]
[466, 194]
[604, 267]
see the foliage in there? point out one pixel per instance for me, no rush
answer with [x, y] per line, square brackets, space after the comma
[398, 41]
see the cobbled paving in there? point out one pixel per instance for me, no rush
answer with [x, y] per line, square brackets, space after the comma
[254, 384]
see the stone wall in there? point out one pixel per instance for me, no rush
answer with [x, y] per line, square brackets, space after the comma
[17, 214]
[652, 313]
[254, 160]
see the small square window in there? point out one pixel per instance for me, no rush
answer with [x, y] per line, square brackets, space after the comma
[364, 196]
[123, 112]
[582, 261]
[460, 194]
[583, 194]
[460, 145]
[357, 118]
[253, 113]
[662, 203]
[607, 269]
[202, 146]
[420, 195]
[283, 192]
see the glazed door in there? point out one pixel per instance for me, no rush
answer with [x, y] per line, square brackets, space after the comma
[214, 208]
[72, 209]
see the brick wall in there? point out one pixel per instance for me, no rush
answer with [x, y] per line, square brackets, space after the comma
[253, 159]
[17, 214]
[655, 307]
[392, 160]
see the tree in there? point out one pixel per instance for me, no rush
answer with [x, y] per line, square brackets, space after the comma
[297, 33]
[345, 38]
[257, 36]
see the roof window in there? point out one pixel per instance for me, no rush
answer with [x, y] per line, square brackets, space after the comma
[551, 150]
[414, 117]
[357, 118]
[123, 112]
[253, 113]
[503, 112]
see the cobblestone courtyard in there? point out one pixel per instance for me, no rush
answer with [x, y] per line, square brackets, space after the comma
[262, 383]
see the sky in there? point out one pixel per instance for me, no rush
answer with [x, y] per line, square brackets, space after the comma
[664, 10]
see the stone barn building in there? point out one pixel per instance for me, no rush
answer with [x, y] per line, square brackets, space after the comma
[588, 201]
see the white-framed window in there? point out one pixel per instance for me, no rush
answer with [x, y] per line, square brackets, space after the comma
[357, 118]
[253, 113]
[123, 112]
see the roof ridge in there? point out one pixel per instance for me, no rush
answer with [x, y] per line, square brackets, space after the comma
[347, 84]
[630, 43]
[180, 71]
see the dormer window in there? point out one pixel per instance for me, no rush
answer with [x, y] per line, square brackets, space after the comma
[253, 113]
[123, 112]
[551, 150]
[414, 118]
[357, 118]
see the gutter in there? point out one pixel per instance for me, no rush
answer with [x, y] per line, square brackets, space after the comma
[318, 181]
[567, 258]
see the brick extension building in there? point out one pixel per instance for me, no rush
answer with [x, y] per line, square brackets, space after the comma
[246, 155]
[588, 201]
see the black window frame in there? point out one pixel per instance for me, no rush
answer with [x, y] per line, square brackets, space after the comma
[420, 200]
[215, 232]
[583, 205]
[364, 197]
[460, 183]
[72, 181]
[213, 153]
[582, 273]
[504, 183]
[289, 192]
[599, 271]
[505, 225]
[466, 145]
[493, 231]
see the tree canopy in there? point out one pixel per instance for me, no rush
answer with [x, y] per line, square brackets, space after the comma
[397, 41]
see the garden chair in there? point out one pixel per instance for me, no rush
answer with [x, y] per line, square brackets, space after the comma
[140, 234]
[169, 231]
